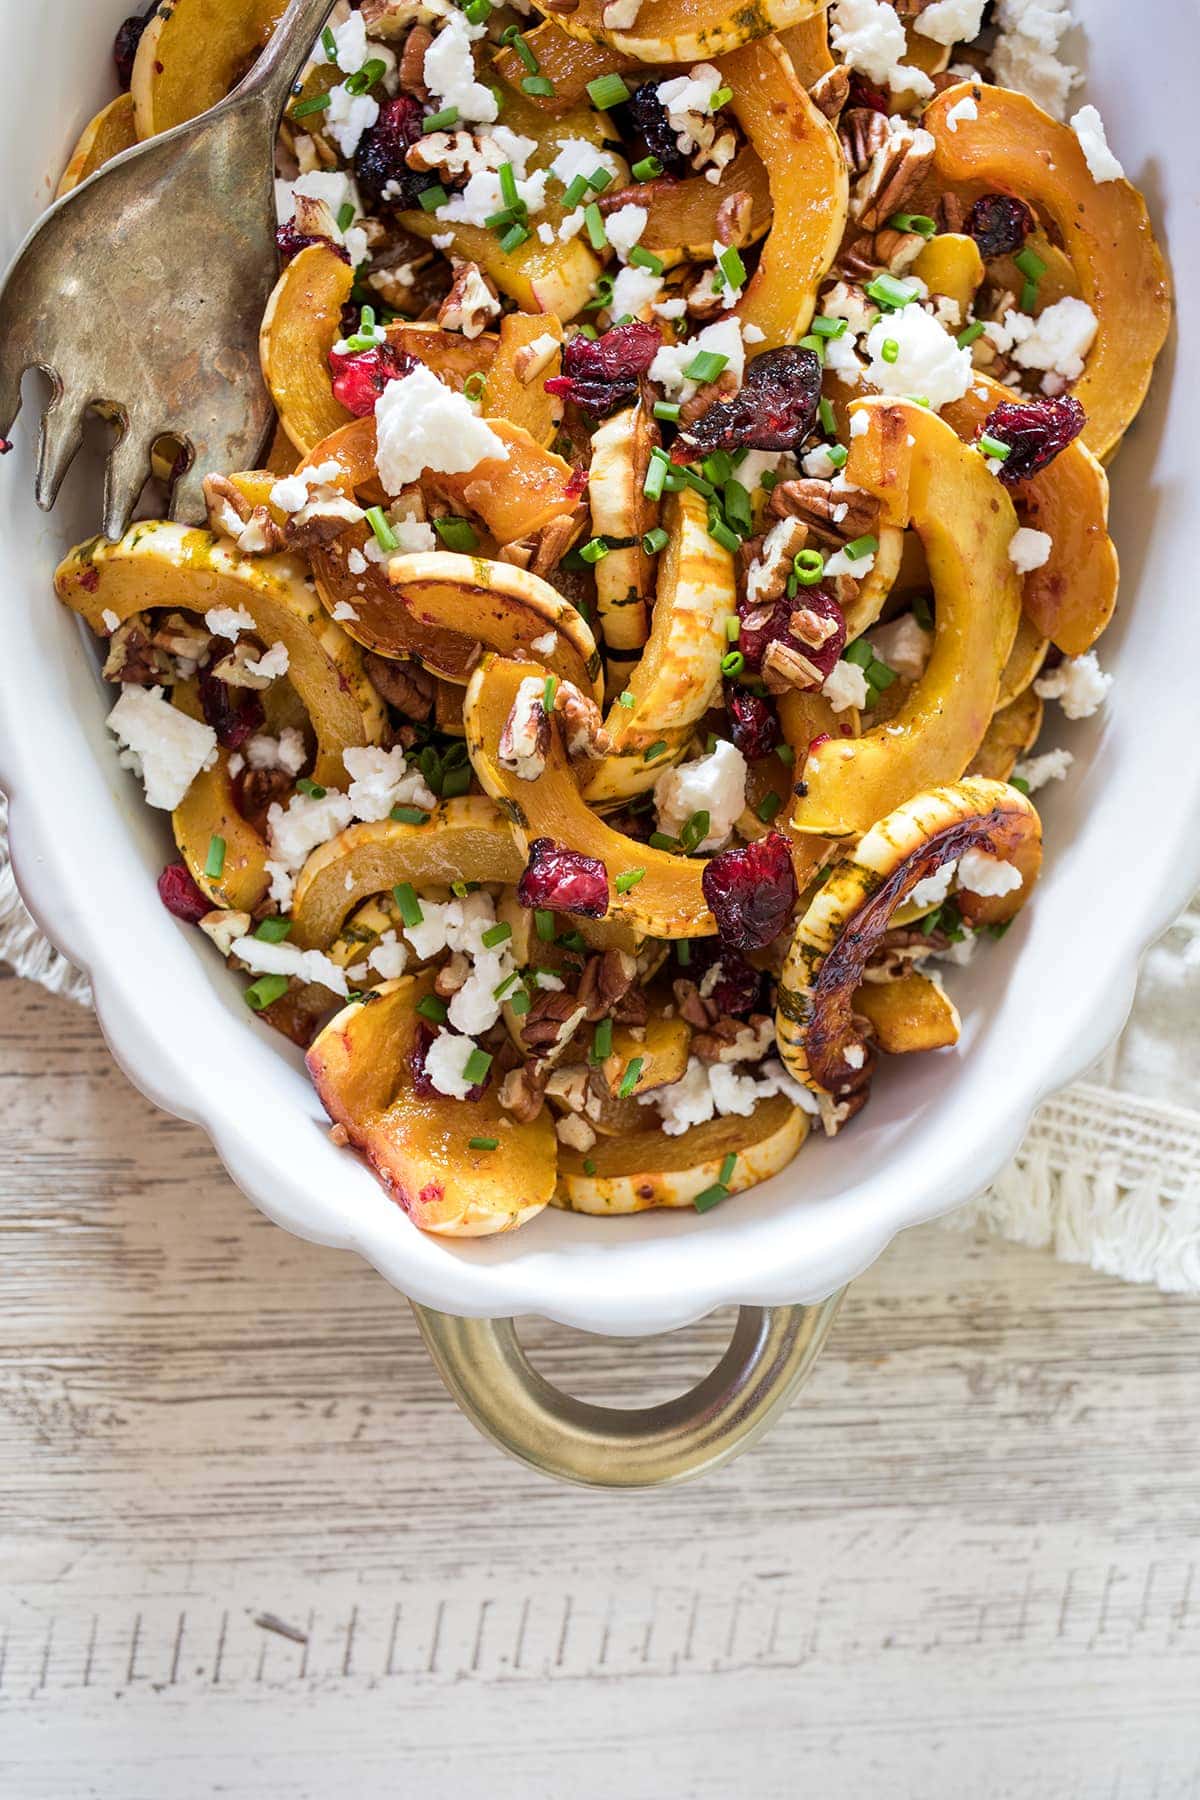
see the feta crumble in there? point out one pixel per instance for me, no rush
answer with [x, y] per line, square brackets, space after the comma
[990, 876]
[950, 21]
[422, 424]
[1078, 684]
[868, 36]
[633, 291]
[1037, 771]
[928, 360]
[934, 889]
[160, 743]
[287, 751]
[845, 685]
[262, 958]
[1029, 549]
[1088, 127]
[295, 831]
[904, 646]
[445, 1062]
[1057, 341]
[381, 779]
[270, 665]
[961, 112]
[724, 338]
[708, 1090]
[715, 784]
[349, 45]
[1025, 54]
[449, 71]
[347, 116]
[624, 227]
[228, 621]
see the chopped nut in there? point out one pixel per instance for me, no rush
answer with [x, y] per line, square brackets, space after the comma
[767, 576]
[570, 1085]
[839, 515]
[555, 539]
[133, 658]
[734, 218]
[896, 168]
[224, 927]
[532, 358]
[521, 1091]
[405, 685]
[897, 251]
[412, 62]
[863, 132]
[695, 1010]
[954, 212]
[470, 303]
[736, 1040]
[582, 723]
[452, 974]
[723, 388]
[574, 1132]
[519, 553]
[811, 628]
[324, 518]
[525, 738]
[785, 667]
[830, 93]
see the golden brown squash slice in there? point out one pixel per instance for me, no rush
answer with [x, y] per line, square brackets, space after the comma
[111, 131]
[666, 902]
[921, 472]
[301, 325]
[819, 1041]
[950, 264]
[676, 31]
[1013, 730]
[464, 840]
[208, 810]
[193, 53]
[567, 63]
[159, 563]
[1024, 661]
[510, 394]
[681, 222]
[1103, 226]
[647, 1169]
[808, 46]
[452, 357]
[659, 1049]
[908, 1015]
[419, 1145]
[622, 515]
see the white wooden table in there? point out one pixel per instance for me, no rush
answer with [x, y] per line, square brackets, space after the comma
[247, 1546]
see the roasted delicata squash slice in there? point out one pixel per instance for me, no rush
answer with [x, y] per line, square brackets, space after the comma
[1103, 226]
[301, 325]
[522, 364]
[1013, 730]
[453, 358]
[111, 131]
[1025, 659]
[809, 190]
[193, 53]
[908, 1014]
[209, 809]
[647, 1169]
[682, 221]
[923, 474]
[567, 63]
[420, 1143]
[621, 514]
[818, 1038]
[677, 31]
[807, 43]
[666, 902]
[680, 668]
[463, 840]
[659, 1048]
[159, 563]
[950, 265]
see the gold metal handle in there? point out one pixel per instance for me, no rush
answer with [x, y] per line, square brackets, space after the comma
[489, 1375]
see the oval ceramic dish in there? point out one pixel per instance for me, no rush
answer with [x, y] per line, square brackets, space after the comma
[1123, 842]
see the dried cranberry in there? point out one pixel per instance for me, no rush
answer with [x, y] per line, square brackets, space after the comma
[235, 713]
[753, 725]
[600, 374]
[770, 623]
[129, 36]
[290, 241]
[1036, 432]
[379, 161]
[751, 891]
[999, 223]
[648, 122]
[738, 988]
[180, 895]
[422, 1085]
[774, 408]
[360, 376]
[563, 881]
[865, 93]
[5, 446]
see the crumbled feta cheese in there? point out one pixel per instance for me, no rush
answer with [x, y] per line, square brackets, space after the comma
[298, 829]
[624, 227]
[933, 890]
[715, 784]
[347, 116]
[547, 644]
[687, 101]
[1025, 54]
[292, 493]
[674, 308]
[287, 751]
[422, 424]
[1078, 684]
[1028, 549]
[482, 196]
[1058, 340]
[227, 621]
[571, 225]
[343, 612]
[962, 111]
[579, 156]
[867, 35]
[270, 665]
[163, 745]
[819, 464]
[724, 338]
[334, 189]
[1088, 127]
[545, 232]
[991, 876]
[445, 1062]
[752, 333]
[903, 645]
[262, 958]
[350, 45]
[928, 361]
[950, 21]
[706, 1090]
[1036, 771]
[842, 564]
[381, 779]
[844, 686]
[633, 290]
[522, 741]
[860, 424]
[389, 957]
[356, 562]
[449, 71]
[855, 1056]
[112, 621]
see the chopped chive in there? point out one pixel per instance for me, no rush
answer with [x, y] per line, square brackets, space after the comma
[520, 1002]
[967, 336]
[689, 478]
[720, 533]
[649, 169]
[594, 221]
[601, 1041]
[652, 543]
[717, 468]
[515, 236]
[574, 192]
[683, 952]
[889, 292]
[509, 981]
[511, 35]
[405, 896]
[655, 750]
[455, 782]
[768, 806]
[385, 537]
[441, 121]
[478, 11]
[660, 841]
[475, 386]
[727, 1168]
[1029, 294]
[599, 179]
[265, 991]
[366, 77]
[301, 110]
[1030, 264]
[656, 476]
[815, 344]
[594, 551]
[606, 91]
[825, 415]
[733, 629]
[992, 446]
[733, 663]
[629, 1079]
[705, 366]
[431, 198]
[215, 861]
[433, 1008]
[719, 98]
[273, 931]
[629, 878]
[712, 1196]
[456, 534]
[921, 223]
[889, 350]
[476, 1066]
[738, 510]
[408, 815]
[329, 45]
[508, 187]
[460, 889]
[549, 691]
[732, 266]
[667, 409]
[859, 652]
[505, 215]
[829, 328]
[786, 754]
[589, 1165]
[694, 832]
[809, 567]
[862, 546]
[539, 85]
[838, 455]
[543, 921]
[625, 698]
[345, 217]
[923, 613]
[646, 259]
[573, 940]
[1020, 783]
[482, 1143]
[495, 934]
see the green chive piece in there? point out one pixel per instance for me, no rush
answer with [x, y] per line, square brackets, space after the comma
[889, 292]
[540, 86]
[520, 1002]
[967, 336]
[719, 98]
[301, 110]
[574, 192]
[478, 11]
[705, 366]
[720, 533]
[694, 832]
[922, 612]
[1029, 294]
[1030, 264]
[921, 223]
[859, 652]
[599, 179]
[1020, 783]
[629, 1079]
[385, 537]
[656, 750]
[215, 861]
[712, 1196]
[433, 1008]
[606, 91]
[838, 455]
[508, 187]
[825, 415]
[601, 1041]
[475, 386]
[432, 198]
[889, 350]
[345, 217]
[732, 266]
[329, 45]
[786, 754]
[510, 981]
[273, 931]
[733, 629]
[483, 1143]
[683, 953]
[408, 815]
[656, 476]
[649, 169]
[667, 409]
[727, 1168]
[815, 344]
[829, 328]
[549, 691]
[625, 698]
[594, 221]
[313, 789]
[405, 896]
[512, 37]
[265, 991]
[768, 806]
[495, 934]
[594, 551]
[660, 841]
[441, 121]
[809, 567]
[514, 237]
[544, 924]
[629, 878]
[455, 782]
[476, 1066]
[738, 509]
[652, 543]
[589, 1165]
[733, 663]
[646, 259]
[862, 546]
[457, 534]
[992, 446]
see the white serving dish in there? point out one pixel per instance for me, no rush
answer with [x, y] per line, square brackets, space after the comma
[1123, 848]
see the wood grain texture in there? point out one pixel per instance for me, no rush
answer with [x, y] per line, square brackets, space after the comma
[248, 1547]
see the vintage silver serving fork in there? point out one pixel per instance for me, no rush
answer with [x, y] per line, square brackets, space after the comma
[143, 290]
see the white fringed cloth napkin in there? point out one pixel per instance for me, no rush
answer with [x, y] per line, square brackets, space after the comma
[1109, 1173]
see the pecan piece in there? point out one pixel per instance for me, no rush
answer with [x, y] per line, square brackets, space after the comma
[836, 514]
[896, 168]
[521, 1092]
[830, 93]
[404, 685]
[785, 667]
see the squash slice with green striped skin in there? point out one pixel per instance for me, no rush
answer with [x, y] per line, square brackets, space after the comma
[420, 1145]
[848, 915]
[908, 1014]
[111, 131]
[466, 839]
[508, 609]
[193, 53]
[622, 515]
[1103, 226]
[668, 900]
[159, 563]
[677, 31]
[208, 810]
[680, 668]
[302, 323]
[921, 472]
[646, 1169]
[809, 190]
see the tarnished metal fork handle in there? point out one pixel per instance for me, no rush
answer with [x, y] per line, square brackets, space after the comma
[141, 292]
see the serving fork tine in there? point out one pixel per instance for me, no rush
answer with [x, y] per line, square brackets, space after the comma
[142, 291]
